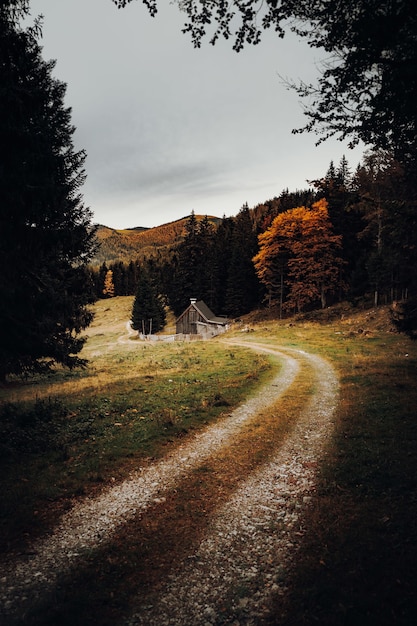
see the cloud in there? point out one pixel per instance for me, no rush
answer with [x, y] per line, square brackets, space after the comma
[168, 128]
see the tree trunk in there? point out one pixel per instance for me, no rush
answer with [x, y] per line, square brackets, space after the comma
[323, 298]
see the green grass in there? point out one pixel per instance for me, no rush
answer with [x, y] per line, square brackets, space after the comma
[71, 432]
[355, 564]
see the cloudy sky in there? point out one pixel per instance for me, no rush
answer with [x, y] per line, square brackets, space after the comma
[169, 129]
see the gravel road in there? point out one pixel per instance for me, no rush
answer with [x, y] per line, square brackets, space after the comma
[238, 568]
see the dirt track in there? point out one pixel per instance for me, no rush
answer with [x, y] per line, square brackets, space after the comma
[231, 575]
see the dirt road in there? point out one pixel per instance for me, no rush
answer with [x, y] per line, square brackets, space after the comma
[238, 564]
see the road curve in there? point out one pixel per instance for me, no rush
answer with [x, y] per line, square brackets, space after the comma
[237, 570]
[237, 529]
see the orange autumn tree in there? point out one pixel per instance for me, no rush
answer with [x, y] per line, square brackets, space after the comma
[298, 259]
[108, 290]
[271, 262]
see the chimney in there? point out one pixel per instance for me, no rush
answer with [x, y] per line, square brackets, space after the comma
[193, 300]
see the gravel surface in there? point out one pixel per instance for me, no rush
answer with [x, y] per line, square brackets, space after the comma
[238, 568]
[235, 571]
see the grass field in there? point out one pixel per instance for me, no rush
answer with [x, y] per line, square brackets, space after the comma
[357, 564]
[74, 432]
[71, 432]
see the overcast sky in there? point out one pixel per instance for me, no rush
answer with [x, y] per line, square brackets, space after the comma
[169, 129]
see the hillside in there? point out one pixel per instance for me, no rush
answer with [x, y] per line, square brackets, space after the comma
[139, 242]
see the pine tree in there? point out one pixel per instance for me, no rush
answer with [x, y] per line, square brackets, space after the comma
[186, 283]
[221, 262]
[388, 206]
[338, 189]
[132, 278]
[206, 263]
[192, 266]
[243, 286]
[148, 312]
[46, 234]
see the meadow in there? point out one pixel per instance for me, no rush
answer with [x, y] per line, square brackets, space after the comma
[69, 433]
[72, 433]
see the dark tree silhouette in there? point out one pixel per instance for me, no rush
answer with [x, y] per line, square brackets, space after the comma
[243, 287]
[148, 313]
[46, 233]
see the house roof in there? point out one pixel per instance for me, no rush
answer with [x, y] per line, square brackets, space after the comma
[205, 312]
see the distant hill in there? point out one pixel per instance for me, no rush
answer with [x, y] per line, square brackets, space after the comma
[139, 242]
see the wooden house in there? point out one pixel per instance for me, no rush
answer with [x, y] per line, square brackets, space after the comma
[198, 320]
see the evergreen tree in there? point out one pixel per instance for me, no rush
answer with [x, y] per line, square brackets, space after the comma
[301, 197]
[96, 283]
[388, 205]
[343, 174]
[102, 273]
[193, 270]
[46, 233]
[148, 312]
[338, 189]
[221, 262]
[116, 284]
[132, 278]
[243, 286]
[187, 283]
[206, 267]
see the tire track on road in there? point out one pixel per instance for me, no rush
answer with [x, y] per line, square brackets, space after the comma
[239, 567]
[92, 522]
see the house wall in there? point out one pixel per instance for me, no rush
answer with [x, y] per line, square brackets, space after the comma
[192, 322]
[187, 324]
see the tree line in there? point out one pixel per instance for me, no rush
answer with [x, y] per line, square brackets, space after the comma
[349, 236]
[357, 231]
[366, 92]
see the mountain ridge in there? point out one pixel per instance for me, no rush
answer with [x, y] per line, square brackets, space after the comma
[140, 242]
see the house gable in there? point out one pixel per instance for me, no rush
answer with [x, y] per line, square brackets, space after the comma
[199, 319]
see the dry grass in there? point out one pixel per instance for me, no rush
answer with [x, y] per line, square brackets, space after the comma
[69, 433]
[357, 563]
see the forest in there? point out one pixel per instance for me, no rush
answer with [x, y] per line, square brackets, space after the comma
[350, 235]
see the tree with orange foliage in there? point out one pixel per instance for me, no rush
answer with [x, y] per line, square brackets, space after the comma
[271, 262]
[301, 252]
[108, 290]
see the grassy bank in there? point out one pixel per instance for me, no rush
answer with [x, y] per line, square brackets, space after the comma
[70, 433]
[355, 555]
[356, 560]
